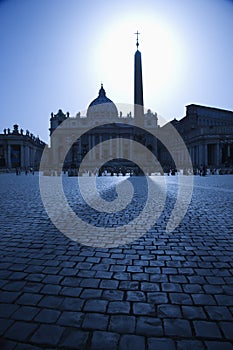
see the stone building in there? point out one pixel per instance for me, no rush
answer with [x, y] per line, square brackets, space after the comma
[19, 149]
[116, 126]
[208, 135]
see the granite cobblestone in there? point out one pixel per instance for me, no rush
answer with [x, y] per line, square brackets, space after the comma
[164, 291]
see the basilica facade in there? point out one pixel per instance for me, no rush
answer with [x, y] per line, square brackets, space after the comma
[115, 126]
[104, 122]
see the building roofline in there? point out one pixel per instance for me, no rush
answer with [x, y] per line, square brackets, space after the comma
[209, 107]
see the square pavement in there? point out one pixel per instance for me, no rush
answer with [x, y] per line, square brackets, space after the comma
[163, 291]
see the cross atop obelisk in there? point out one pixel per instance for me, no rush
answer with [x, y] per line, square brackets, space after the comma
[137, 43]
[138, 88]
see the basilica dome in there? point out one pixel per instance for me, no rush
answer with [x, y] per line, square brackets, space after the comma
[102, 107]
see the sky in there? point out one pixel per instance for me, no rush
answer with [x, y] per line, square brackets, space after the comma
[54, 54]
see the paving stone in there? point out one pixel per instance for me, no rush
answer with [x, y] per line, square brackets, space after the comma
[90, 282]
[104, 274]
[67, 263]
[161, 344]
[177, 327]
[193, 312]
[218, 313]
[8, 297]
[70, 281]
[224, 300]
[89, 293]
[122, 324]
[178, 279]
[158, 278]
[70, 291]
[52, 279]
[70, 318]
[51, 301]
[157, 298]
[169, 311]
[171, 287]
[95, 321]
[72, 304]
[190, 345]
[47, 334]
[109, 284]
[122, 276]
[68, 271]
[118, 268]
[33, 277]
[129, 285]
[150, 287]
[95, 305]
[192, 288]
[29, 299]
[149, 326]
[118, 307]
[203, 299]
[74, 339]
[25, 313]
[104, 341]
[128, 342]
[213, 289]
[52, 289]
[6, 310]
[180, 298]
[143, 309]
[14, 286]
[206, 329]
[113, 295]
[47, 316]
[217, 345]
[140, 276]
[4, 324]
[135, 296]
[134, 268]
[18, 276]
[20, 331]
[33, 287]
[227, 329]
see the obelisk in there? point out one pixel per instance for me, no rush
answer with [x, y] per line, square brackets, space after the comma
[138, 88]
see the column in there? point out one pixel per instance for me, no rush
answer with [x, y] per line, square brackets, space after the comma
[5, 152]
[193, 155]
[130, 147]
[117, 147]
[205, 155]
[101, 147]
[121, 147]
[9, 156]
[89, 148]
[200, 155]
[196, 155]
[22, 161]
[217, 160]
[110, 141]
[93, 145]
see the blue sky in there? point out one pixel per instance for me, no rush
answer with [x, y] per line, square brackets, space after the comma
[56, 53]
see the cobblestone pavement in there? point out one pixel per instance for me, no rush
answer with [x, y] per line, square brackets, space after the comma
[163, 291]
